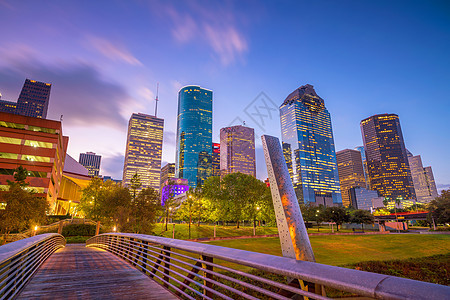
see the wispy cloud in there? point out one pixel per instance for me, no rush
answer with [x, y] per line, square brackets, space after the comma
[14, 53]
[115, 52]
[218, 29]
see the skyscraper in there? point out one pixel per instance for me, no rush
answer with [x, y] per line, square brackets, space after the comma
[308, 147]
[33, 99]
[364, 164]
[237, 150]
[144, 150]
[216, 159]
[387, 163]
[351, 172]
[32, 102]
[91, 162]
[423, 179]
[194, 135]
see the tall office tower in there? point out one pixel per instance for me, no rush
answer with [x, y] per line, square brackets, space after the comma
[308, 147]
[194, 135]
[144, 150]
[387, 163]
[364, 163]
[91, 162]
[351, 172]
[423, 179]
[168, 171]
[33, 99]
[32, 102]
[216, 159]
[237, 150]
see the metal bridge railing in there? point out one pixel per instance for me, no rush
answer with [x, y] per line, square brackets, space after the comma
[19, 260]
[201, 271]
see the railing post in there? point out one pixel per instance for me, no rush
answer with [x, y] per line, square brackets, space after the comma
[166, 271]
[97, 228]
[61, 225]
[207, 275]
[144, 259]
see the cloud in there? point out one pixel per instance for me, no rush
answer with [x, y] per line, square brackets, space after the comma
[79, 92]
[442, 186]
[113, 51]
[15, 54]
[218, 30]
[113, 166]
[169, 138]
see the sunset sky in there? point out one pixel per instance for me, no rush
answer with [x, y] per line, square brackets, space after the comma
[105, 58]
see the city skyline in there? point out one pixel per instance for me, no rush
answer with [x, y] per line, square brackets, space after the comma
[101, 76]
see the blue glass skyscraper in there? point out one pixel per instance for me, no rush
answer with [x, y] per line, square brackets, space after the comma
[194, 135]
[308, 147]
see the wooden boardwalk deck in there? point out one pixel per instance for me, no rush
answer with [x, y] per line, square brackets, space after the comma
[77, 272]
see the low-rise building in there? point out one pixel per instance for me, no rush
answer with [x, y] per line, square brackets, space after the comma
[37, 145]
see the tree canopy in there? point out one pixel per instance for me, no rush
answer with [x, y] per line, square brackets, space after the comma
[24, 209]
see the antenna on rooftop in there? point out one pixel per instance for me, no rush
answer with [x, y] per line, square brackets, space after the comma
[156, 99]
[61, 118]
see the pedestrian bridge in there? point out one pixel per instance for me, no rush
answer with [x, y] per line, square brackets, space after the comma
[133, 266]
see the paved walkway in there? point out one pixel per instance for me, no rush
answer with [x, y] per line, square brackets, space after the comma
[78, 272]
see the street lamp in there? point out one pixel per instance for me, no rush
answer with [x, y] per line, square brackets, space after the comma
[35, 230]
[68, 211]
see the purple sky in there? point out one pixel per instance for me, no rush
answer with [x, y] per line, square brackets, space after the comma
[104, 59]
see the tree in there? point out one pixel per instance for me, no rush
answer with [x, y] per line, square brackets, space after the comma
[144, 209]
[135, 184]
[237, 197]
[360, 216]
[23, 208]
[312, 213]
[439, 208]
[92, 199]
[337, 215]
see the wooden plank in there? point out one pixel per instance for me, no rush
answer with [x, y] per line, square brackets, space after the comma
[78, 272]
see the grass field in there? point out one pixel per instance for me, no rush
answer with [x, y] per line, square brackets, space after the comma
[342, 250]
[207, 231]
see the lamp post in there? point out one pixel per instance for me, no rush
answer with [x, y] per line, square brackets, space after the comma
[190, 214]
[68, 211]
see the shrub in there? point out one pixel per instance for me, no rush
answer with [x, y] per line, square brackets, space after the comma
[78, 230]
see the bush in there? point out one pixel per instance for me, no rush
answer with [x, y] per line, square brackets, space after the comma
[79, 230]
[441, 229]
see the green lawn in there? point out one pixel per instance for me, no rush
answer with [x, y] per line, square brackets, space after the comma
[207, 231]
[341, 250]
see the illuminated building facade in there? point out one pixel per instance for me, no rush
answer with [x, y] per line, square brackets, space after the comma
[74, 179]
[361, 198]
[216, 159]
[168, 171]
[39, 146]
[364, 163]
[144, 150]
[32, 102]
[237, 154]
[91, 162]
[173, 187]
[308, 147]
[423, 179]
[387, 161]
[351, 172]
[194, 135]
